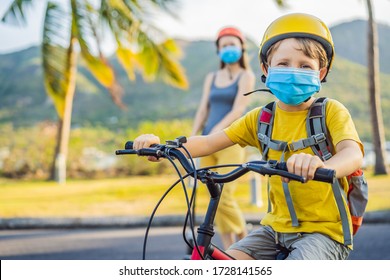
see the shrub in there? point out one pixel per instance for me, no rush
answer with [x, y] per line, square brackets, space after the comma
[27, 152]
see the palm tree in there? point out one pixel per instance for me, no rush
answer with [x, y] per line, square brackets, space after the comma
[378, 135]
[75, 30]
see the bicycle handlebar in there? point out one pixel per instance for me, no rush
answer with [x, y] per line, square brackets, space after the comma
[270, 167]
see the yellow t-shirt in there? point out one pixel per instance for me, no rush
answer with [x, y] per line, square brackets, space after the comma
[313, 201]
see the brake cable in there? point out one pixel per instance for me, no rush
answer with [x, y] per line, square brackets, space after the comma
[160, 201]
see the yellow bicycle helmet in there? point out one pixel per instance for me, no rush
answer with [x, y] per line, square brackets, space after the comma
[297, 25]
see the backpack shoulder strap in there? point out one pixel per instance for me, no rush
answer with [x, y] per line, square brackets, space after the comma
[316, 127]
[264, 130]
[318, 137]
[264, 126]
[317, 134]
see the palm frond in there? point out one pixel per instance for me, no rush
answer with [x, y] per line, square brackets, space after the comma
[169, 6]
[282, 4]
[57, 54]
[15, 14]
[120, 18]
[160, 61]
[141, 46]
[85, 22]
[128, 59]
[171, 71]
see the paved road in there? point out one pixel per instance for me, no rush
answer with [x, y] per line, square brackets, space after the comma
[90, 244]
[371, 243]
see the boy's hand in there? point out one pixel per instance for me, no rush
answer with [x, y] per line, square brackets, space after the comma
[304, 165]
[145, 141]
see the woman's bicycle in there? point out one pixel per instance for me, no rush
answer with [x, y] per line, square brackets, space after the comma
[202, 246]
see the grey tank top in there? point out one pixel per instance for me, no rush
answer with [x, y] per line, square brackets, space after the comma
[221, 101]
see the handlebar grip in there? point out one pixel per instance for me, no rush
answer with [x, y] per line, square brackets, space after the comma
[148, 152]
[125, 152]
[151, 151]
[129, 145]
[321, 174]
[325, 175]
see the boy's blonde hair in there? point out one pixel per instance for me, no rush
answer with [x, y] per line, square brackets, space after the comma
[311, 48]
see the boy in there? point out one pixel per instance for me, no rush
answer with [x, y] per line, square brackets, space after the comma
[296, 55]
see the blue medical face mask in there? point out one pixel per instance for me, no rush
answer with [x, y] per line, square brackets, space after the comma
[293, 86]
[230, 54]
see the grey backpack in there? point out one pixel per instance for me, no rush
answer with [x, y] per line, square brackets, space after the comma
[319, 141]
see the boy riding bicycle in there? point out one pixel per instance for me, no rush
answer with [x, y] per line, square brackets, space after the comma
[296, 55]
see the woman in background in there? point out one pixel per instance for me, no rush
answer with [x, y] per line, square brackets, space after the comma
[222, 103]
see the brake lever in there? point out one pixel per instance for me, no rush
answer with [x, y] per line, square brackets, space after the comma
[177, 143]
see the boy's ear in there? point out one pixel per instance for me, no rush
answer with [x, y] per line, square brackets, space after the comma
[264, 68]
[323, 72]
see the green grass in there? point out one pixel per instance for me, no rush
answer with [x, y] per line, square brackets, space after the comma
[129, 197]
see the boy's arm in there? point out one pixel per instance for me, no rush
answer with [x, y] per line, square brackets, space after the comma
[198, 146]
[205, 145]
[348, 158]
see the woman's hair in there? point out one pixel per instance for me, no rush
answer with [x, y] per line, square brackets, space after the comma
[309, 47]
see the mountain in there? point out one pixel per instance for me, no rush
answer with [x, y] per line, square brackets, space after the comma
[350, 40]
[23, 101]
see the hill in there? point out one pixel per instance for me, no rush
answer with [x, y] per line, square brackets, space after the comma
[351, 42]
[23, 101]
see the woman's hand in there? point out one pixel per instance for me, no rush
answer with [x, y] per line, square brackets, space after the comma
[304, 165]
[145, 141]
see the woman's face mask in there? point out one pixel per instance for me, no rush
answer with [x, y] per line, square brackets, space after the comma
[230, 54]
[293, 86]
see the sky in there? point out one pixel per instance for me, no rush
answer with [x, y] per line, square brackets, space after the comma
[201, 19]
